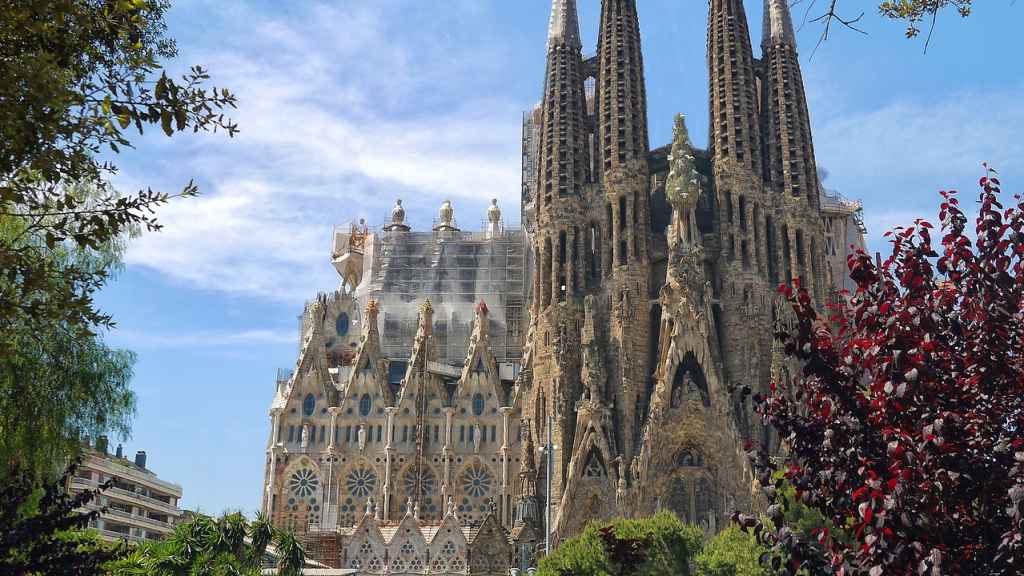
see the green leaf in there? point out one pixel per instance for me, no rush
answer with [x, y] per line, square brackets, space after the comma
[165, 122]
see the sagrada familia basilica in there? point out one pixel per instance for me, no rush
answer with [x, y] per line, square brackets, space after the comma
[464, 396]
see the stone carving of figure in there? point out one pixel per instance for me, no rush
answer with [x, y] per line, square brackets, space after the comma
[594, 370]
[305, 436]
[677, 395]
[635, 466]
[408, 506]
[477, 439]
[369, 506]
[694, 396]
[362, 437]
[416, 511]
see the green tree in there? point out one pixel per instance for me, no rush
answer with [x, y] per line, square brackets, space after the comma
[225, 546]
[60, 384]
[660, 545]
[79, 77]
[732, 552]
[43, 530]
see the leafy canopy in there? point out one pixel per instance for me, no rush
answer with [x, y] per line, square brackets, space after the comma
[79, 77]
[732, 552]
[228, 545]
[658, 546]
[43, 529]
[904, 427]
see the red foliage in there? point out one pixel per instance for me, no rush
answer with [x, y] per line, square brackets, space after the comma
[906, 425]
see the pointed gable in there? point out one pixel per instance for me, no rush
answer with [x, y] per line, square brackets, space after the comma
[366, 549]
[369, 372]
[480, 371]
[407, 550]
[489, 550]
[448, 547]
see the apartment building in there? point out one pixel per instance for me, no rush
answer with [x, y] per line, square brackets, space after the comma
[138, 505]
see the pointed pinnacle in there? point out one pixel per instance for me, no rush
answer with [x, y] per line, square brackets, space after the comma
[778, 24]
[565, 24]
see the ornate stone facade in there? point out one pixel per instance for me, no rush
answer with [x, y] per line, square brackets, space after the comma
[407, 436]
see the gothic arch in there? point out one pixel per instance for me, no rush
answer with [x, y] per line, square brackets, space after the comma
[431, 506]
[302, 494]
[475, 486]
[359, 481]
[689, 384]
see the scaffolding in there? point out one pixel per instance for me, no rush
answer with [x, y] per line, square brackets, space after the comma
[455, 270]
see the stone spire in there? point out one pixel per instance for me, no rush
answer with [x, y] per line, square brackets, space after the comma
[565, 24]
[621, 110]
[621, 93]
[789, 148]
[778, 24]
[735, 129]
[562, 166]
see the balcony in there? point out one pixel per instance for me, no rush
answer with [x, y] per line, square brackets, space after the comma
[140, 520]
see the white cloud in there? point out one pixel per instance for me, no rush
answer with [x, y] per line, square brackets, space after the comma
[335, 126]
[204, 339]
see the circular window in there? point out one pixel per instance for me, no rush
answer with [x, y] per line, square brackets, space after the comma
[303, 483]
[309, 405]
[478, 404]
[365, 405]
[341, 324]
[361, 482]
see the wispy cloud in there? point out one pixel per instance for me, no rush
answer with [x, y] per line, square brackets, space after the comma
[204, 339]
[334, 128]
[898, 157]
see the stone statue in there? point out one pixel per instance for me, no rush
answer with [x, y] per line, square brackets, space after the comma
[677, 395]
[369, 506]
[416, 510]
[305, 437]
[408, 506]
[477, 439]
[362, 437]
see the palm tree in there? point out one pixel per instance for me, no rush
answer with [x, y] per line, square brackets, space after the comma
[204, 546]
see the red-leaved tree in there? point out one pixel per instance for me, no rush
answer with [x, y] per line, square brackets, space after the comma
[905, 427]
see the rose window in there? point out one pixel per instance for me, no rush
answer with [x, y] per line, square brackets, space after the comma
[365, 548]
[408, 549]
[449, 548]
[361, 482]
[304, 483]
[375, 564]
[426, 478]
[476, 481]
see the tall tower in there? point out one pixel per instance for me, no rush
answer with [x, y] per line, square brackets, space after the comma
[789, 148]
[735, 131]
[622, 139]
[563, 174]
[789, 145]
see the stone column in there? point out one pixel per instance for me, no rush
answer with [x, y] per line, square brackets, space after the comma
[388, 453]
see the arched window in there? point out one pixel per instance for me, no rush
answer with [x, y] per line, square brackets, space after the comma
[478, 404]
[309, 405]
[341, 325]
[365, 405]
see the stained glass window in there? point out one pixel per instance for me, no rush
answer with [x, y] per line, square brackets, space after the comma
[309, 405]
[342, 324]
[478, 404]
[365, 405]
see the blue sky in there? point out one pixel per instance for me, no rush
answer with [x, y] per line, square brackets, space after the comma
[347, 105]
